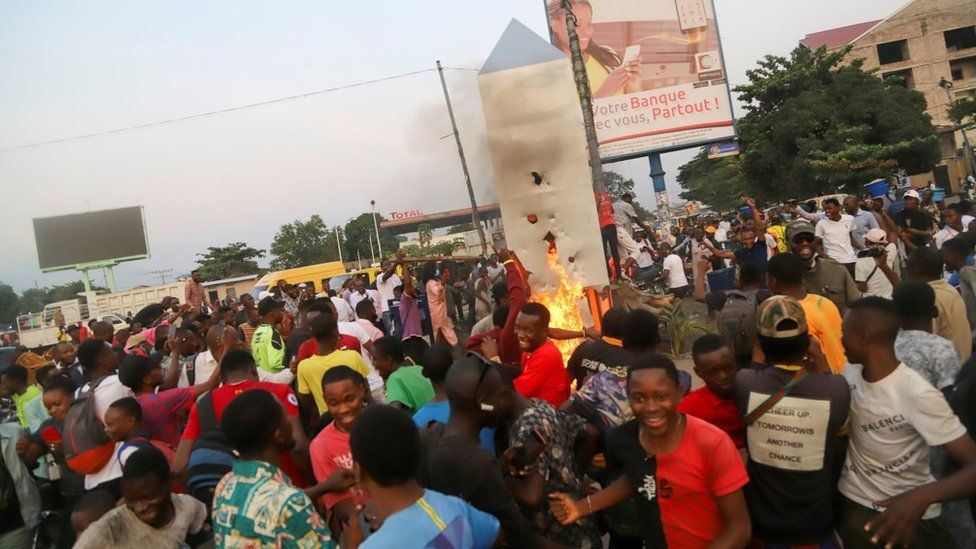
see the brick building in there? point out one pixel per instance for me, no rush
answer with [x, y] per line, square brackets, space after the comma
[917, 46]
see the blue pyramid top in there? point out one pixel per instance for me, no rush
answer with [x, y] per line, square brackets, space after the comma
[520, 47]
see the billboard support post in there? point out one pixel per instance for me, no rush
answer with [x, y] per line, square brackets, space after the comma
[85, 280]
[110, 278]
[586, 100]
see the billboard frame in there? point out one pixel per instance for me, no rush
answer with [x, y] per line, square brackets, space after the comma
[103, 262]
[698, 144]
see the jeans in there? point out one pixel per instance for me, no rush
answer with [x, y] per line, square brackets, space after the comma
[608, 235]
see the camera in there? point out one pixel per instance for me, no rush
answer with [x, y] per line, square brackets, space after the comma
[871, 252]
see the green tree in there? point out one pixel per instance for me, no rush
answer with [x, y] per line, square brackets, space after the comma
[716, 182]
[617, 185]
[360, 231]
[814, 125]
[9, 303]
[234, 259]
[460, 229]
[34, 299]
[963, 114]
[425, 233]
[302, 243]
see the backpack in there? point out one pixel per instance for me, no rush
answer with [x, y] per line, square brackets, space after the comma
[142, 441]
[737, 321]
[87, 449]
[211, 456]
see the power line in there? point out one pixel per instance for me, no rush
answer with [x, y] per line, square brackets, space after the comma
[213, 113]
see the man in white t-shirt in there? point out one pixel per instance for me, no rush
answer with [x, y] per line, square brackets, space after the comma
[835, 233]
[362, 293]
[674, 272]
[953, 215]
[101, 362]
[877, 275]
[385, 284]
[896, 417]
[624, 217]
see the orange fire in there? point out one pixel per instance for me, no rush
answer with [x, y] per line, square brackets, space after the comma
[563, 304]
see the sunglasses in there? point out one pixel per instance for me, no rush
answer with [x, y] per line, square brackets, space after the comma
[803, 238]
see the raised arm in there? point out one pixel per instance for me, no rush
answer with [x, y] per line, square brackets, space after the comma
[508, 347]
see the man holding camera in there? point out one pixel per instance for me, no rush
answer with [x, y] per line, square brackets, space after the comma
[874, 271]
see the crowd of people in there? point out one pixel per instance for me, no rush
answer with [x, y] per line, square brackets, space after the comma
[831, 403]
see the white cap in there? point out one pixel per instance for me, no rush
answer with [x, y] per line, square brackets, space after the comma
[878, 236]
[302, 285]
[263, 294]
[912, 193]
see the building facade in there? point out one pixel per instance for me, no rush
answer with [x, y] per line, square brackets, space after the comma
[922, 45]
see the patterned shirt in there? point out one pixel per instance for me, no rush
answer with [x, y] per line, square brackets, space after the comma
[164, 414]
[557, 465]
[931, 356]
[603, 399]
[256, 506]
[195, 296]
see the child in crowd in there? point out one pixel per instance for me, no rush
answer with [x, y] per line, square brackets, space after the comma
[123, 424]
[152, 516]
[386, 448]
[345, 393]
[406, 387]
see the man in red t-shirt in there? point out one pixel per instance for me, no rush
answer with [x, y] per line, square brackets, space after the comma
[608, 231]
[238, 373]
[309, 347]
[715, 365]
[543, 374]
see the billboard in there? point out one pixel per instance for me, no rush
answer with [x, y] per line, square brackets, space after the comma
[656, 72]
[105, 236]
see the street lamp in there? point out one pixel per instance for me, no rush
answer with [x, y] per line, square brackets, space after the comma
[376, 227]
[947, 86]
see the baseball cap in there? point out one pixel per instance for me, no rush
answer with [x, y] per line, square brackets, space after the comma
[798, 227]
[710, 229]
[269, 304]
[781, 317]
[911, 193]
[303, 285]
[877, 236]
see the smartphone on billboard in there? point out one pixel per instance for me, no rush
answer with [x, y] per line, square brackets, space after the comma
[630, 54]
[691, 14]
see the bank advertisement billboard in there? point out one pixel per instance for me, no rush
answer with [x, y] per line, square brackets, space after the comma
[656, 72]
[92, 237]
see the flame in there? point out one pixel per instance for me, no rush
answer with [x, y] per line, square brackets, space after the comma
[563, 303]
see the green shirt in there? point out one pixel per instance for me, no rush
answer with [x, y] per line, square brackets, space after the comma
[256, 506]
[268, 349]
[32, 392]
[408, 386]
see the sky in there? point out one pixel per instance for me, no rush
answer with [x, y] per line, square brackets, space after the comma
[75, 68]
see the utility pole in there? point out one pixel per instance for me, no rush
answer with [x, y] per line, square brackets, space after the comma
[969, 154]
[586, 100]
[338, 243]
[376, 227]
[464, 165]
[161, 274]
[372, 255]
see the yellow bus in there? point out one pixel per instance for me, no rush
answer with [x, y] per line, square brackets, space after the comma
[332, 273]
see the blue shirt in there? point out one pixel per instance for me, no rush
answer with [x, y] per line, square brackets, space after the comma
[436, 520]
[441, 412]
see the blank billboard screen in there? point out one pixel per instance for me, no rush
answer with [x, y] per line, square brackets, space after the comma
[67, 240]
